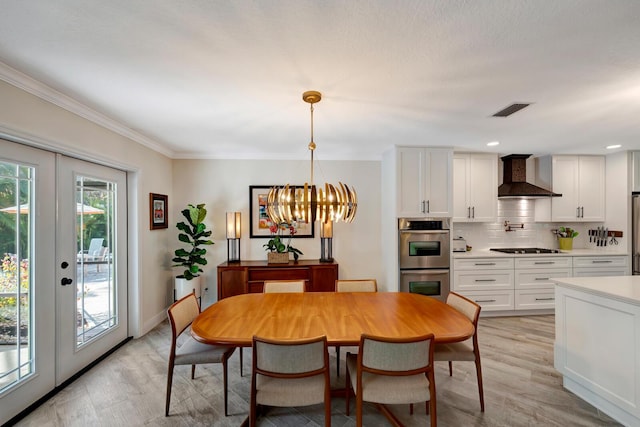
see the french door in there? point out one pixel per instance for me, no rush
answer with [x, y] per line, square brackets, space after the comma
[63, 284]
[91, 279]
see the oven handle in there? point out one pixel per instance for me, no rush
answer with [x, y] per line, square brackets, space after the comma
[420, 272]
[424, 231]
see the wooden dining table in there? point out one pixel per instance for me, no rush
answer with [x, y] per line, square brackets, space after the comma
[342, 317]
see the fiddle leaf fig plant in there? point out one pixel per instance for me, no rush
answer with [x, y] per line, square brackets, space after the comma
[194, 234]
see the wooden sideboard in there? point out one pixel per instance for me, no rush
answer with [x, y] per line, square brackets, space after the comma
[235, 278]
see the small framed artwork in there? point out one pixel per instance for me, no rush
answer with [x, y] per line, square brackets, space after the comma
[259, 220]
[158, 211]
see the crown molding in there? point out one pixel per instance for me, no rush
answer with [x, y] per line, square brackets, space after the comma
[42, 91]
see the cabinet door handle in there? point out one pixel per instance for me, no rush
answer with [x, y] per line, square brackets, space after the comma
[601, 261]
[485, 300]
[473, 212]
[485, 280]
[545, 299]
[422, 208]
[484, 263]
[541, 278]
[468, 211]
[582, 212]
[544, 262]
[428, 209]
[578, 212]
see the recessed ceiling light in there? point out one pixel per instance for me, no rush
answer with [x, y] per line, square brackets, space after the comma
[612, 147]
[492, 143]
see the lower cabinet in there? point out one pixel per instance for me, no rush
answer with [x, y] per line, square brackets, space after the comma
[487, 281]
[249, 276]
[614, 265]
[534, 289]
[524, 283]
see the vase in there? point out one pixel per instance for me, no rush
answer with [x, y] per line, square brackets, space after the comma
[183, 287]
[565, 243]
[278, 257]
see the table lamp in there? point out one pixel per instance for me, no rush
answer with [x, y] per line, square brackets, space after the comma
[233, 236]
[326, 241]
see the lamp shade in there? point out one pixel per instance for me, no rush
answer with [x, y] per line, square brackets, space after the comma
[233, 225]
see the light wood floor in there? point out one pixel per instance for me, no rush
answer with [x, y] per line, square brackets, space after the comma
[521, 389]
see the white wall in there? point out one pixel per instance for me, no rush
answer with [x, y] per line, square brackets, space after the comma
[33, 119]
[223, 185]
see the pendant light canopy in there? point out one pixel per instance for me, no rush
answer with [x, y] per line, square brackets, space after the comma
[308, 203]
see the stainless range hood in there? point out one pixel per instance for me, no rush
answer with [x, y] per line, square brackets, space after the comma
[514, 184]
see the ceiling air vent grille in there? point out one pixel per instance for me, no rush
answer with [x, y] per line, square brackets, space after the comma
[513, 108]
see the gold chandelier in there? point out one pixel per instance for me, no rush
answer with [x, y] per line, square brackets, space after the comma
[308, 203]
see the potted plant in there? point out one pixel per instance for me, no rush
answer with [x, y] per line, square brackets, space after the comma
[565, 238]
[194, 234]
[278, 251]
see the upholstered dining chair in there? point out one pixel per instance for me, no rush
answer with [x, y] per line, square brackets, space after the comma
[187, 351]
[392, 371]
[290, 373]
[283, 286]
[466, 350]
[353, 285]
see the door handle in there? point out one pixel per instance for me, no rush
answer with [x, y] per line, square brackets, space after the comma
[578, 212]
[473, 212]
[423, 209]
[428, 207]
[469, 212]
[582, 212]
[66, 281]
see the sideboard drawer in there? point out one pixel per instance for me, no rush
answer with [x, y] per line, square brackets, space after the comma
[301, 273]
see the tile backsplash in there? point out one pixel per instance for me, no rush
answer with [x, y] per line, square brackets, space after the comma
[487, 235]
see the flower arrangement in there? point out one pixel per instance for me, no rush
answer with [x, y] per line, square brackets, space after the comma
[567, 232]
[276, 244]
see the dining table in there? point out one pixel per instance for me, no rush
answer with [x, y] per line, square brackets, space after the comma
[342, 316]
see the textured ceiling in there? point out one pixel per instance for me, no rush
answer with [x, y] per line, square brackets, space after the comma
[224, 79]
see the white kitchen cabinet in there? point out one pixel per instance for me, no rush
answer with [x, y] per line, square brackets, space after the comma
[534, 289]
[424, 178]
[475, 187]
[487, 281]
[581, 181]
[594, 266]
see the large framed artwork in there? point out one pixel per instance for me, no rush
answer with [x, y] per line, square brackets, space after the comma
[259, 220]
[158, 211]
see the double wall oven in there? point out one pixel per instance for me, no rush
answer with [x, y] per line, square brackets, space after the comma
[424, 256]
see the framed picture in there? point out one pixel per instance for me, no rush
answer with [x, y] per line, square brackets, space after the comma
[158, 211]
[259, 220]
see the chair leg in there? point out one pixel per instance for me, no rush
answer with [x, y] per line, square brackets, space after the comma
[358, 409]
[480, 388]
[410, 408]
[338, 360]
[347, 386]
[432, 401]
[169, 381]
[240, 361]
[193, 371]
[426, 404]
[450, 368]
[224, 382]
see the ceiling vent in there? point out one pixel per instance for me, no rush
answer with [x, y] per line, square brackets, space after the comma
[513, 108]
[514, 180]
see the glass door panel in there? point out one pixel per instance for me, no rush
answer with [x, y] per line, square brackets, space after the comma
[27, 246]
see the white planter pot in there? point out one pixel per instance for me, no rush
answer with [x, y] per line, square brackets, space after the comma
[183, 287]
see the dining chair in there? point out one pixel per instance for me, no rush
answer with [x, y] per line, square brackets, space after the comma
[353, 285]
[466, 350]
[187, 351]
[283, 286]
[290, 373]
[392, 371]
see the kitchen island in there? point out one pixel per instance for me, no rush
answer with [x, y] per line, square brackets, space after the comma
[597, 346]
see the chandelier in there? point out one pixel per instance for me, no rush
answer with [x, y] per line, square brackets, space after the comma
[308, 203]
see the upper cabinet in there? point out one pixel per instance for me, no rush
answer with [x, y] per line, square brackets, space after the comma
[475, 187]
[581, 180]
[424, 178]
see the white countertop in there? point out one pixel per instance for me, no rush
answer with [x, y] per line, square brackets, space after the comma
[486, 253]
[626, 288]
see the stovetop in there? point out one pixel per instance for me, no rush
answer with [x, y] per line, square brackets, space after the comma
[526, 250]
